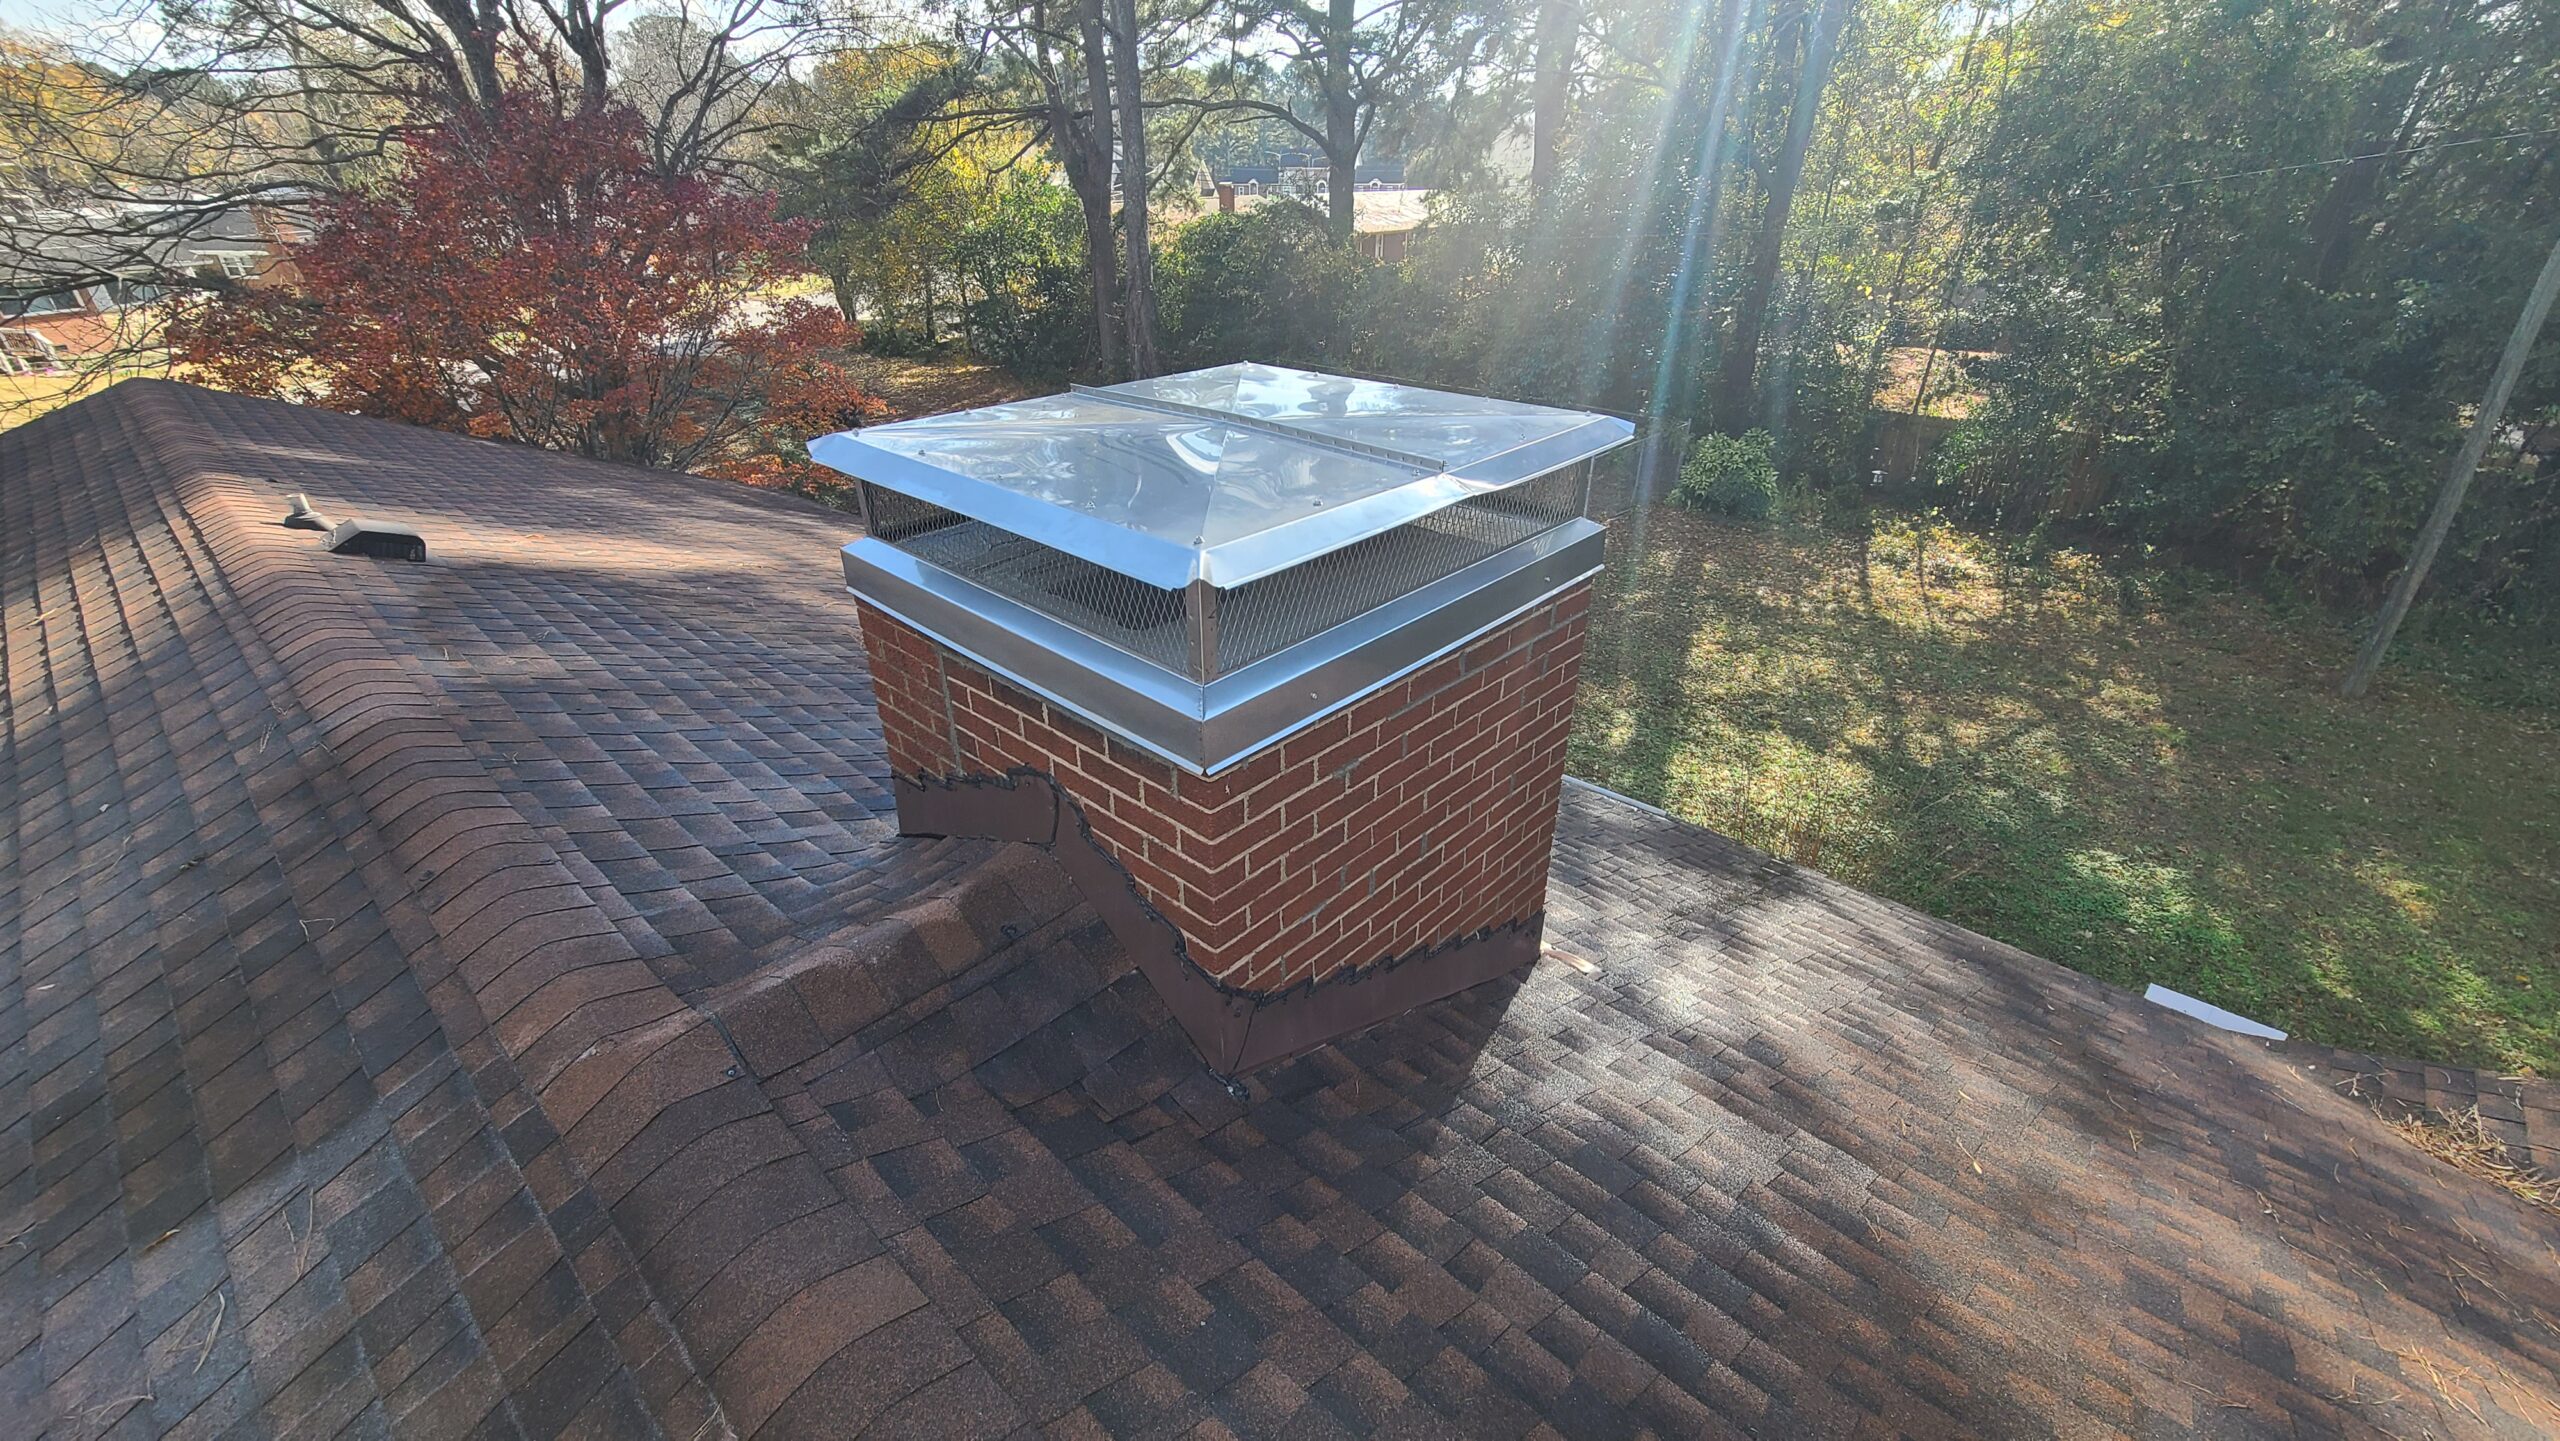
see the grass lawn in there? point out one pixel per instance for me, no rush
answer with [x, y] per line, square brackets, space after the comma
[24, 397]
[2139, 775]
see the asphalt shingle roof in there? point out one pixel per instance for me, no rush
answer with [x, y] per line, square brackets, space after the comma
[377, 950]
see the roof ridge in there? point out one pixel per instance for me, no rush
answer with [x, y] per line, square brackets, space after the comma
[837, 986]
[129, 573]
[182, 400]
[87, 409]
[650, 1095]
[1263, 425]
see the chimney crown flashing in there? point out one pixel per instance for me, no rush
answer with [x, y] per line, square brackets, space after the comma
[1208, 727]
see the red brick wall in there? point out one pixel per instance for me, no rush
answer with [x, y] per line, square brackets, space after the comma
[1421, 814]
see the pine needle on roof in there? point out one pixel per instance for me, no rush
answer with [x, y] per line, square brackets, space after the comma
[2463, 1140]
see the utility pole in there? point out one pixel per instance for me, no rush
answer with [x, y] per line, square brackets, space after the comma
[2457, 483]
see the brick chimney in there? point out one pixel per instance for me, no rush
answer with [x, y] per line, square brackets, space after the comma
[1281, 665]
[1226, 198]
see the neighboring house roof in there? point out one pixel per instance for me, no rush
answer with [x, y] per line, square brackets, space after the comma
[43, 246]
[391, 959]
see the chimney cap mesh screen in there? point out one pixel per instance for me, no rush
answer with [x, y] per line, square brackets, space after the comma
[1149, 622]
[1264, 617]
[1252, 621]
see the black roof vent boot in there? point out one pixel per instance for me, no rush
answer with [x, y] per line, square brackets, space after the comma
[381, 539]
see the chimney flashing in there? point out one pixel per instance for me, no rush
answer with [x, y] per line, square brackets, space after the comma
[1208, 728]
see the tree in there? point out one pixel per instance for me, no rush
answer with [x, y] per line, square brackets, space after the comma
[342, 71]
[1128, 71]
[62, 121]
[1701, 229]
[528, 274]
[1094, 81]
[1045, 67]
[1356, 65]
[1551, 86]
[889, 184]
[103, 171]
[1815, 35]
[182, 114]
[1268, 284]
[707, 78]
[2151, 230]
[1024, 260]
[2407, 45]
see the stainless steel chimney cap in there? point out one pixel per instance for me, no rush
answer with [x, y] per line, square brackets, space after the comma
[1203, 564]
[1222, 475]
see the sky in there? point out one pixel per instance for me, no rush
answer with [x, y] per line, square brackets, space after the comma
[65, 17]
[43, 14]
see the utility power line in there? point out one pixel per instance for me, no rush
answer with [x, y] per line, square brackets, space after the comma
[2322, 164]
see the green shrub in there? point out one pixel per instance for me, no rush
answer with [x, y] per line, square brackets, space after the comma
[1267, 284]
[1025, 255]
[1734, 475]
[1822, 408]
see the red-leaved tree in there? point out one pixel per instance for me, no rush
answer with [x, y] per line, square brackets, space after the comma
[527, 275]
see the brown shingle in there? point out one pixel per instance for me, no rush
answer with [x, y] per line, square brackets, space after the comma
[213, 734]
[487, 998]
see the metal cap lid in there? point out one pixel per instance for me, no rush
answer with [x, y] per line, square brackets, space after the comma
[1221, 475]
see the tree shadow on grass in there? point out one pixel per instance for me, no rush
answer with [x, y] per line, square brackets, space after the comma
[2045, 751]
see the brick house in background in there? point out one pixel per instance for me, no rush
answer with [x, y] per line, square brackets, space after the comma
[69, 277]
